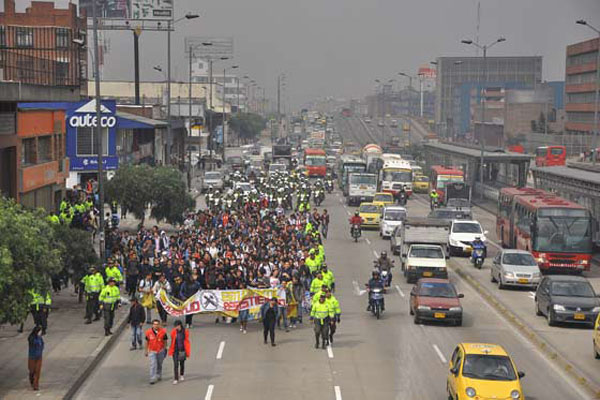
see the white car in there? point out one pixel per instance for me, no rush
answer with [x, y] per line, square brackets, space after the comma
[391, 217]
[462, 234]
[212, 179]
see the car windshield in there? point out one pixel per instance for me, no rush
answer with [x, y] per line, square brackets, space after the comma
[437, 289]
[571, 289]
[212, 175]
[385, 198]
[397, 176]
[421, 179]
[466, 227]
[523, 259]
[369, 208]
[488, 367]
[363, 179]
[426, 252]
[395, 215]
[563, 230]
[315, 161]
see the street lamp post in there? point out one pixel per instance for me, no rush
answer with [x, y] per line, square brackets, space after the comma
[187, 16]
[481, 100]
[596, 90]
[223, 109]
[410, 78]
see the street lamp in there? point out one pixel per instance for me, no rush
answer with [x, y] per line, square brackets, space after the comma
[410, 78]
[187, 16]
[595, 132]
[481, 101]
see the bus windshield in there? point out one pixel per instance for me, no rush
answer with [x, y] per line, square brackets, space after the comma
[442, 180]
[363, 179]
[315, 161]
[349, 168]
[397, 176]
[563, 230]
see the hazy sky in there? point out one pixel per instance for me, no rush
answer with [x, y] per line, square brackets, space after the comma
[338, 47]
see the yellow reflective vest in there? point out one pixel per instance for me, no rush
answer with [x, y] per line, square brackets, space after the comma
[334, 304]
[93, 283]
[316, 285]
[321, 311]
[328, 278]
[114, 272]
[110, 295]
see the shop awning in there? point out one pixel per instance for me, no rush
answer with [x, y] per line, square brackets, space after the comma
[132, 121]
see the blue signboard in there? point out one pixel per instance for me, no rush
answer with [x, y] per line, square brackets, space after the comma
[81, 130]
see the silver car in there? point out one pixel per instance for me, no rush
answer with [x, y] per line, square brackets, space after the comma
[515, 268]
[212, 179]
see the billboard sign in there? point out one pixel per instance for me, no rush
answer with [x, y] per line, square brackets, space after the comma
[151, 9]
[131, 14]
[220, 46]
[427, 72]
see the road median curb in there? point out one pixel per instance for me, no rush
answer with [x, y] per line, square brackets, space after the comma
[542, 344]
[96, 356]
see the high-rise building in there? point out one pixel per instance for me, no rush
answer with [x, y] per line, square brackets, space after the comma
[581, 82]
[459, 79]
[235, 89]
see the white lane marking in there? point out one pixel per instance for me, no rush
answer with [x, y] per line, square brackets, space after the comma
[400, 292]
[368, 241]
[329, 352]
[338, 393]
[375, 254]
[357, 290]
[439, 353]
[220, 351]
[209, 392]
[532, 295]
[348, 212]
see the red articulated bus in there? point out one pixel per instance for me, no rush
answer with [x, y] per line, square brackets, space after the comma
[315, 161]
[550, 156]
[556, 231]
[441, 176]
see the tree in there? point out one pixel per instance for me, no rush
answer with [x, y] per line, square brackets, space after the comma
[162, 188]
[29, 254]
[132, 187]
[170, 198]
[247, 125]
[78, 252]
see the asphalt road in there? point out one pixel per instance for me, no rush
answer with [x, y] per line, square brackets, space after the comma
[387, 359]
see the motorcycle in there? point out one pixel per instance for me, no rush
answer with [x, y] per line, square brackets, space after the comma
[402, 199]
[329, 185]
[478, 257]
[376, 297]
[386, 276]
[355, 232]
[434, 203]
[318, 197]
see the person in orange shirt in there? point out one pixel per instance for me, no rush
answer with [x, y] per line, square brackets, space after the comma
[180, 350]
[156, 349]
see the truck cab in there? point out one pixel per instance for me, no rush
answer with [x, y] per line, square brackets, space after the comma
[423, 244]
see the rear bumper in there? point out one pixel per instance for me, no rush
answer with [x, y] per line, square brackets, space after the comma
[569, 317]
[415, 274]
[439, 315]
[359, 199]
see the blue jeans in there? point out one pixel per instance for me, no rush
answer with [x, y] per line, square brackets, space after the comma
[156, 360]
[136, 335]
[283, 313]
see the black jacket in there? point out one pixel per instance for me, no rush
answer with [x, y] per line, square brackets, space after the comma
[137, 314]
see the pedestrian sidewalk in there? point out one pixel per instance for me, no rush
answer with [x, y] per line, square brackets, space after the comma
[72, 349]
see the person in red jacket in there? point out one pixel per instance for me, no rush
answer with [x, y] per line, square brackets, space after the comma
[180, 350]
[355, 220]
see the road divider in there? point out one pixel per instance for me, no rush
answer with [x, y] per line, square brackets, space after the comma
[545, 347]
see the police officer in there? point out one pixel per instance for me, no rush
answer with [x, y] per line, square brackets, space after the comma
[334, 304]
[37, 306]
[93, 285]
[112, 271]
[328, 277]
[321, 313]
[110, 299]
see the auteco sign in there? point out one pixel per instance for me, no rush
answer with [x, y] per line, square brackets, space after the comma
[85, 117]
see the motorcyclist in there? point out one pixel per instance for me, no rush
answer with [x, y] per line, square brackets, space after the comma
[355, 220]
[477, 244]
[401, 195]
[384, 263]
[433, 197]
[375, 283]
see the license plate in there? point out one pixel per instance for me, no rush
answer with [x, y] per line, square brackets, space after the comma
[363, 187]
[523, 280]
[439, 315]
[579, 316]
[427, 273]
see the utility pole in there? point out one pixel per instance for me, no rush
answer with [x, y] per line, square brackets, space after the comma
[99, 132]
[189, 174]
[136, 62]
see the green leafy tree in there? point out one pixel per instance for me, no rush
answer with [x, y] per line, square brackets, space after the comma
[247, 125]
[162, 188]
[78, 252]
[170, 198]
[29, 254]
[132, 187]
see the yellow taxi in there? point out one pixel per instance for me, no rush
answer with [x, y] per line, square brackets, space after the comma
[597, 337]
[370, 214]
[483, 371]
[383, 199]
[420, 184]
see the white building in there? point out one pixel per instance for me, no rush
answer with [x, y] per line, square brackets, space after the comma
[235, 89]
